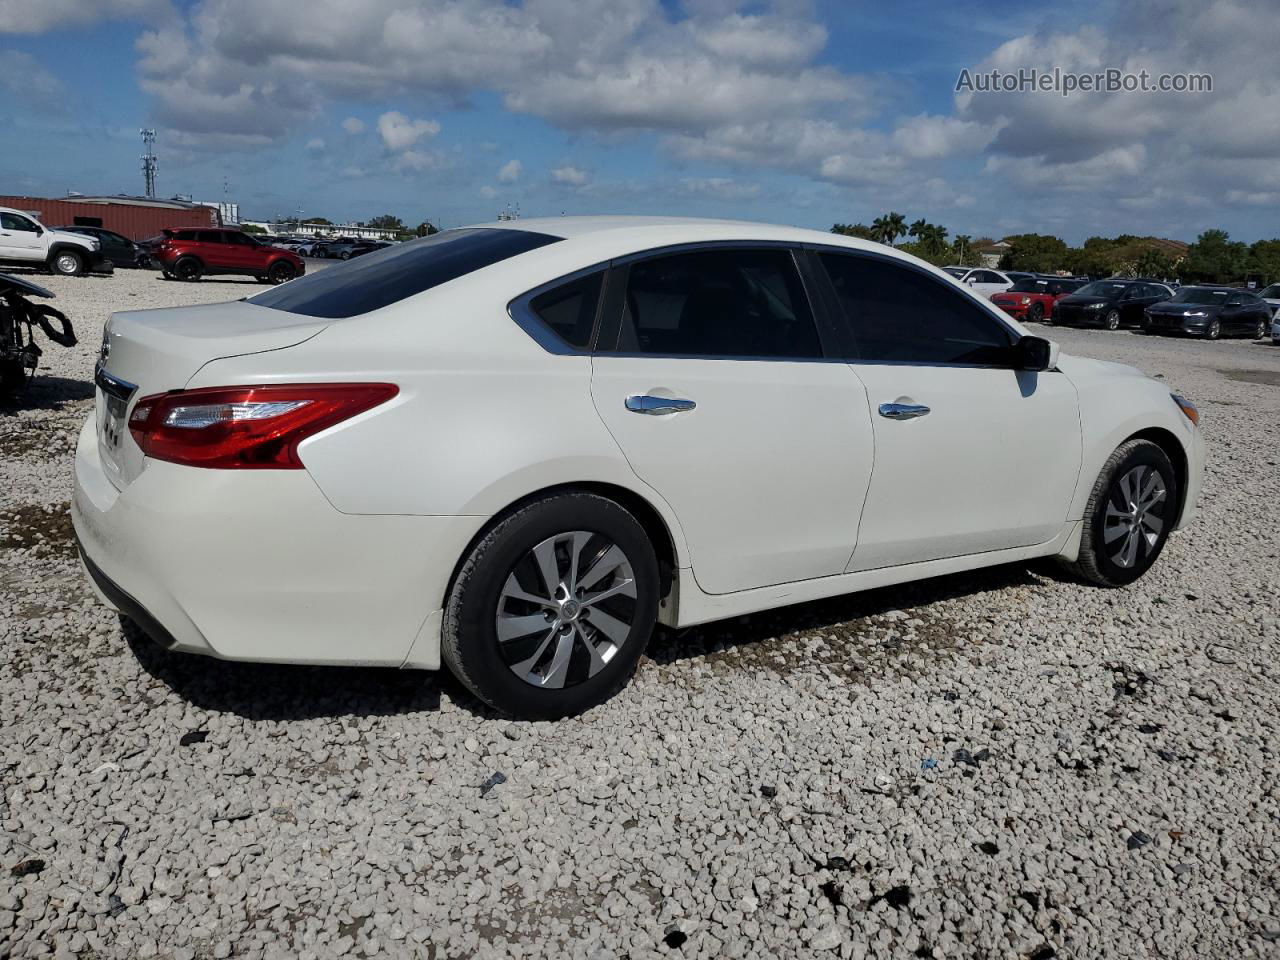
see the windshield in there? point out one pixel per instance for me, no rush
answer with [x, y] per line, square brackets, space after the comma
[1200, 295]
[388, 276]
[957, 272]
[1029, 285]
[1271, 293]
[1101, 288]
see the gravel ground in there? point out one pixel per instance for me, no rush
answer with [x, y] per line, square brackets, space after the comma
[999, 764]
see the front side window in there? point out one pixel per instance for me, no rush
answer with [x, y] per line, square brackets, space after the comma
[901, 315]
[11, 221]
[719, 303]
[388, 276]
[570, 309]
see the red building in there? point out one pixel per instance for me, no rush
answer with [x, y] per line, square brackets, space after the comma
[135, 217]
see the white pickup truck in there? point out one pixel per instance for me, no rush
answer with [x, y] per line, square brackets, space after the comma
[25, 241]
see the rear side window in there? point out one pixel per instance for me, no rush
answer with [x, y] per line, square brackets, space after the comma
[719, 303]
[570, 309]
[388, 276]
[901, 315]
[208, 236]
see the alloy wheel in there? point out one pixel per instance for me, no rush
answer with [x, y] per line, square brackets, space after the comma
[1113, 320]
[1135, 515]
[565, 609]
[1214, 331]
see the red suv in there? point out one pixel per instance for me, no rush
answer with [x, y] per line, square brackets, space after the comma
[1033, 297]
[190, 254]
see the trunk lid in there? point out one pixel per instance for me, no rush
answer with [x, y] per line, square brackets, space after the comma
[154, 351]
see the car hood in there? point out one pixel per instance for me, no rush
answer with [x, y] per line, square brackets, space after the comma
[1076, 300]
[93, 243]
[1085, 368]
[1182, 309]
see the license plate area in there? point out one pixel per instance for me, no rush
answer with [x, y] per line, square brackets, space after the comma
[112, 405]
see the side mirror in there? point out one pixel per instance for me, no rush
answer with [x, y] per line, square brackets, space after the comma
[39, 230]
[1035, 353]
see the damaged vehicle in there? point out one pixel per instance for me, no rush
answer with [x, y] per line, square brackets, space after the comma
[19, 352]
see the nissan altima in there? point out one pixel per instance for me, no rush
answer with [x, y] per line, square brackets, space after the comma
[513, 449]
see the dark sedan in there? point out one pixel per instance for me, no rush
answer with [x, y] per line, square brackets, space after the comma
[1211, 312]
[1110, 303]
[120, 250]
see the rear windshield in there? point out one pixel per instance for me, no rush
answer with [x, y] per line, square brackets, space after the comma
[391, 275]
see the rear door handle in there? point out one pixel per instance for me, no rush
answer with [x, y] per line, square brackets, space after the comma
[647, 403]
[903, 411]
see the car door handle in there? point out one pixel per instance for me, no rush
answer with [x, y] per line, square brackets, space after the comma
[647, 403]
[903, 411]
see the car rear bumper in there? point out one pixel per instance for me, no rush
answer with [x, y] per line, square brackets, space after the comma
[258, 565]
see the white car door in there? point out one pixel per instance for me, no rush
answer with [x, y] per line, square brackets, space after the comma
[986, 282]
[971, 454]
[715, 385]
[20, 238]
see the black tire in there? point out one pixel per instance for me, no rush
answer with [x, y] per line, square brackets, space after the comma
[1097, 562]
[1260, 332]
[188, 269]
[66, 263]
[1214, 330]
[1112, 320]
[345, 255]
[1035, 313]
[281, 271]
[469, 634]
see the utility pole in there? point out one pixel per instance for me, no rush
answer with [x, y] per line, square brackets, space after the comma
[149, 162]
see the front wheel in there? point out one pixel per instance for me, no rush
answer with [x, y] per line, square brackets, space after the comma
[1214, 331]
[1260, 331]
[1036, 313]
[1112, 320]
[67, 263]
[553, 607]
[1130, 512]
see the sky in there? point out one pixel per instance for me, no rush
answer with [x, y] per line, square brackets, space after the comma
[790, 111]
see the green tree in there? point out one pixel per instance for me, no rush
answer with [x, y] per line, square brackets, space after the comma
[1152, 262]
[425, 229]
[1215, 258]
[251, 228]
[386, 222]
[889, 227]
[320, 220]
[860, 230]
[1264, 260]
[1034, 252]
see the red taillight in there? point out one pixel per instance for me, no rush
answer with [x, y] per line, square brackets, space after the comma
[246, 427]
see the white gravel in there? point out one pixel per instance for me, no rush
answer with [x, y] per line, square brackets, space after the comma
[1001, 764]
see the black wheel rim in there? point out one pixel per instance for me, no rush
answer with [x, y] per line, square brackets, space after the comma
[1134, 523]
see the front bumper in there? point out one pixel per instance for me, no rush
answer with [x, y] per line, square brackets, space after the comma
[258, 565]
[1195, 327]
[1014, 310]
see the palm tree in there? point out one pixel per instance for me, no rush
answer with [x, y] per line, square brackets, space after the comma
[934, 237]
[880, 230]
[918, 228]
[897, 225]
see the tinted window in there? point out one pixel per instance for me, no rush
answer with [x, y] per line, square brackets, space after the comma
[1102, 288]
[389, 276]
[902, 315]
[209, 236]
[11, 221]
[1200, 295]
[187, 235]
[986, 276]
[1271, 293]
[242, 239]
[570, 309]
[1030, 285]
[718, 303]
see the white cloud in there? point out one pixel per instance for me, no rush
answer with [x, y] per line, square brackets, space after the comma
[23, 79]
[510, 171]
[415, 161]
[488, 192]
[315, 144]
[570, 175]
[41, 16]
[398, 132]
[353, 125]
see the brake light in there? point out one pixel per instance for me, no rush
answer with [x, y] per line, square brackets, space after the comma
[246, 427]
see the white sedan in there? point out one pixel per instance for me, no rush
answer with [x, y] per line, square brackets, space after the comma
[512, 449]
[982, 281]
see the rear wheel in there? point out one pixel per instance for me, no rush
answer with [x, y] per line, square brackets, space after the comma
[68, 263]
[1129, 515]
[553, 607]
[1112, 320]
[281, 272]
[189, 269]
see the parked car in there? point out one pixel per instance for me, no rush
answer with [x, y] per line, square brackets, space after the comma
[983, 281]
[1271, 295]
[1110, 303]
[192, 254]
[117, 248]
[368, 246]
[26, 242]
[311, 248]
[1211, 312]
[511, 449]
[1033, 298]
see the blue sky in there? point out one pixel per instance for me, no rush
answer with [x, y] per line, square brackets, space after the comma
[793, 112]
